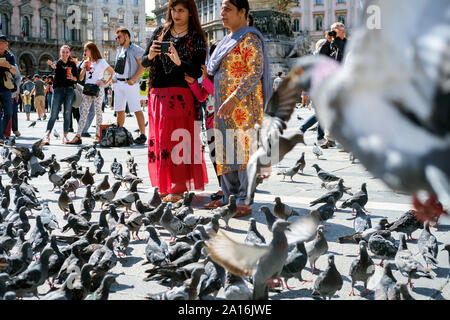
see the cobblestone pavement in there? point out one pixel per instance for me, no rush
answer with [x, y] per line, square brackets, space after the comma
[382, 203]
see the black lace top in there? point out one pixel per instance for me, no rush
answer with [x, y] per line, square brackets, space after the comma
[164, 73]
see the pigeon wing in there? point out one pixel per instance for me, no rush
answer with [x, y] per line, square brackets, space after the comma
[302, 230]
[238, 258]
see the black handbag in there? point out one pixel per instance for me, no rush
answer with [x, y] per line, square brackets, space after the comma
[91, 90]
[120, 64]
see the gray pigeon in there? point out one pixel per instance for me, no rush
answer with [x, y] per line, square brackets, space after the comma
[382, 245]
[263, 262]
[366, 234]
[406, 223]
[227, 211]
[212, 280]
[407, 265]
[253, 236]
[116, 169]
[362, 221]
[156, 250]
[428, 246]
[172, 224]
[91, 152]
[362, 268]
[39, 237]
[295, 262]
[447, 248]
[386, 284]
[326, 210]
[270, 218]
[301, 163]
[336, 193]
[323, 175]
[282, 210]
[316, 248]
[98, 162]
[236, 288]
[360, 197]
[400, 292]
[102, 293]
[103, 260]
[290, 172]
[108, 195]
[317, 151]
[328, 282]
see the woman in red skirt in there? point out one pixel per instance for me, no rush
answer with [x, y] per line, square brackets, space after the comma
[175, 154]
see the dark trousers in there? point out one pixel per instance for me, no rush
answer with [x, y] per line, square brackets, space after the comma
[235, 183]
[309, 123]
[6, 111]
[15, 123]
[61, 96]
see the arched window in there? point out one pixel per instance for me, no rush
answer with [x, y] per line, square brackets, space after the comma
[25, 26]
[45, 30]
[319, 23]
[5, 24]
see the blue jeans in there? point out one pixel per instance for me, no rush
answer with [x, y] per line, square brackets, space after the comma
[7, 111]
[90, 118]
[309, 123]
[48, 101]
[15, 124]
[61, 96]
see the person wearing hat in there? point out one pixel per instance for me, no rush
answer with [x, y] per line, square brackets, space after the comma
[7, 68]
[39, 97]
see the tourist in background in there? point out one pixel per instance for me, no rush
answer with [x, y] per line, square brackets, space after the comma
[66, 76]
[39, 97]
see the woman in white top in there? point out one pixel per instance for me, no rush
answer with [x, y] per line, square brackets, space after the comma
[92, 70]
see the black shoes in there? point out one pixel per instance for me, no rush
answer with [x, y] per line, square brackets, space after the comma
[86, 135]
[141, 139]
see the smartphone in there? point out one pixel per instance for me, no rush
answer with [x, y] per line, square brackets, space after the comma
[164, 46]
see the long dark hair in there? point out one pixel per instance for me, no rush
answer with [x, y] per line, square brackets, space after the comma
[194, 20]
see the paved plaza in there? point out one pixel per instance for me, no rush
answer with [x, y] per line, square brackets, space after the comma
[382, 203]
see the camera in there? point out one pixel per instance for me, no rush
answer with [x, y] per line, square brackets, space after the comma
[332, 34]
[165, 45]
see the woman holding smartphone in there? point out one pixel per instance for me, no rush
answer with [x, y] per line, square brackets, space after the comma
[176, 48]
[66, 76]
[92, 70]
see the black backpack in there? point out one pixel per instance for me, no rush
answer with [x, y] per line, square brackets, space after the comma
[114, 136]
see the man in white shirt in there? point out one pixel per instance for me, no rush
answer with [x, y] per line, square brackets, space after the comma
[277, 81]
[126, 83]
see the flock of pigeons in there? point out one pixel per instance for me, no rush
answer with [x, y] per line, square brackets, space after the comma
[200, 258]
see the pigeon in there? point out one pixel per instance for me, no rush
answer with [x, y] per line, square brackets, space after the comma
[323, 175]
[335, 193]
[263, 262]
[47, 162]
[317, 151]
[236, 288]
[8, 240]
[155, 215]
[316, 248]
[270, 218]
[178, 249]
[382, 245]
[282, 210]
[156, 250]
[185, 208]
[253, 236]
[408, 94]
[362, 221]
[332, 185]
[328, 282]
[362, 268]
[228, 211]
[134, 223]
[447, 248]
[48, 218]
[172, 224]
[91, 152]
[108, 195]
[33, 277]
[326, 211]
[32, 124]
[272, 145]
[406, 223]
[192, 220]
[188, 291]
[56, 166]
[55, 179]
[386, 284]
[301, 163]
[116, 169]
[103, 260]
[98, 162]
[36, 169]
[366, 234]
[102, 293]
[155, 199]
[212, 279]
[359, 197]
[55, 261]
[104, 185]
[64, 201]
[76, 222]
[73, 262]
[199, 233]
[295, 262]
[290, 172]
[39, 237]
[73, 158]
[129, 160]
[400, 292]
[133, 186]
[73, 184]
[87, 178]
[407, 265]
[122, 235]
[89, 197]
[126, 201]
[16, 264]
[428, 246]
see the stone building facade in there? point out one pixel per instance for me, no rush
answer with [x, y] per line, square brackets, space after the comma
[36, 29]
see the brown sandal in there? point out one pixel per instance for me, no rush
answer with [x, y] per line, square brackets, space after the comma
[75, 140]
